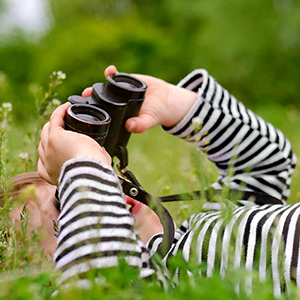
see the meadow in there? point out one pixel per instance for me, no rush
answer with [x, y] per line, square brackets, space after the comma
[164, 165]
[252, 49]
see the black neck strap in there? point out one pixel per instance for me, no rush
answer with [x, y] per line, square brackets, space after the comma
[155, 204]
[133, 189]
[136, 192]
[210, 194]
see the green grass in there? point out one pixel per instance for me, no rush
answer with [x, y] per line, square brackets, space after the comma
[164, 165]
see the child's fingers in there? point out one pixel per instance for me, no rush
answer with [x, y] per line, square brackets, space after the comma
[43, 173]
[111, 70]
[87, 92]
[141, 123]
[44, 135]
[57, 118]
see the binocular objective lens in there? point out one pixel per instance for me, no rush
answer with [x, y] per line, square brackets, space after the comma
[126, 85]
[127, 82]
[89, 118]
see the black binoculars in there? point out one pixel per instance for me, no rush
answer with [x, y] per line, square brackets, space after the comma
[102, 116]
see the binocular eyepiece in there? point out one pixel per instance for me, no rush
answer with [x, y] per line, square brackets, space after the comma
[102, 116]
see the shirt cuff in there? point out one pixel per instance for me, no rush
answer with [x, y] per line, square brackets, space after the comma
[77, 167]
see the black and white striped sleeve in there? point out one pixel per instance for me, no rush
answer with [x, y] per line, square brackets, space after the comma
[232, 135]
[95, 227]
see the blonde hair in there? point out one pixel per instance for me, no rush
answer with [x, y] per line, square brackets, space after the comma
[17, 184]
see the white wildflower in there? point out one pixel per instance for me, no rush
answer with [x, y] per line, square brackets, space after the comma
[33, 87]
[56, 102]
[197, 138]
[7, 106]
[2, 243]
[24, 155]
[61, 75]
[196, 121]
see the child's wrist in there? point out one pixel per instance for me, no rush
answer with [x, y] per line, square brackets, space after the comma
[180, 103]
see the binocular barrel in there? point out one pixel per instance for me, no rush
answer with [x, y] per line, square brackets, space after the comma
[103, 115]
[88, 120]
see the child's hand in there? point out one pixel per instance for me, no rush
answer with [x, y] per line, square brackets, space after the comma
[58, 145]
[165, 104]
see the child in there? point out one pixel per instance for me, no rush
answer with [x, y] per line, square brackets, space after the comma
[96, 228]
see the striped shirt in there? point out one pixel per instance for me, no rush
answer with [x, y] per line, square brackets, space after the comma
[96, 229]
